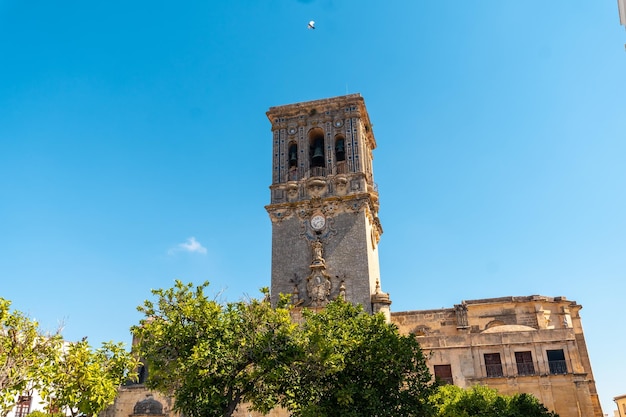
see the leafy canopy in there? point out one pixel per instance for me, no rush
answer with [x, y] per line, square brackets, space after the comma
[352, 363]
[67, 375]
[339, 361]
[24, 349]
[212, 356]
[452, 401]
[86, 381]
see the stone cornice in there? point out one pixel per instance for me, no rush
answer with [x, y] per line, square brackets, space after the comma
[320, 111]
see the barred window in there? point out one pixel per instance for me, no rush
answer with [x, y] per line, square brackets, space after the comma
[524, 361]
[493, 365]
[556, 361]
[443, 373]
[23, 406]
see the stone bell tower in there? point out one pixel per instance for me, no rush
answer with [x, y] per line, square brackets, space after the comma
[324, 204]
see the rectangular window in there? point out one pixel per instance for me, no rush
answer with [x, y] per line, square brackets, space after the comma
[524, 361]
[23, 406]
[493, 365]
[443, 373]
[556, 361]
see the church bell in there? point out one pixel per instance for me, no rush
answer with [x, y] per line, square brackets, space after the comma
[340, 150]
[318, 154]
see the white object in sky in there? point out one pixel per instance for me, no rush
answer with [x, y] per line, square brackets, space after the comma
[311, 25]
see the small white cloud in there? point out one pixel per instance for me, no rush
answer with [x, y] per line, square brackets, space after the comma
[191, 245]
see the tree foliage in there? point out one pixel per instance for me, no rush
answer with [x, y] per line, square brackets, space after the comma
[66, 374]
[339, 361]
[84, 380]
[211, 356]
[353, 363]
[24, 349]
[38, 413]
[452, 401]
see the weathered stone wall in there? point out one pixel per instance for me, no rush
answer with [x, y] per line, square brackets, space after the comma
[347, 252]
[461, 337]
[129, 396]
[426, 322]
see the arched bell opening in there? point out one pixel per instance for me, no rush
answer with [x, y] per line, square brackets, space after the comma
[316, 152]
[292, 161]
[293, 154]
[340, 154]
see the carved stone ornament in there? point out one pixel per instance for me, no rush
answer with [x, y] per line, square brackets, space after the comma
[296, 301]
[379, 297]
[278, 215]
[318, 287]
[329, 208]
[355, 205]
[292, 191]
[304, 212]
[341, 185]
[317, 247]
[148, 407]
[342, 290]
[461, 316]
[316, 187]
[318, 284]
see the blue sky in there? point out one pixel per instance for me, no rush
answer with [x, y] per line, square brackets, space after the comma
[134, 149]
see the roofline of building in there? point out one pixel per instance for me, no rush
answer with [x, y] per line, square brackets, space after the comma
[498, 300]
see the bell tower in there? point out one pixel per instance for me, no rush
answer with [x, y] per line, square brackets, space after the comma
[324, 204]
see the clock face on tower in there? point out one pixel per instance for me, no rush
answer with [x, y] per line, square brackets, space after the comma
[317, 222]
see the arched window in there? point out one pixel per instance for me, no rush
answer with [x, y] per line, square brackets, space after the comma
[292, 162]
[340, 149]
[340, 154]
[316, 151]
[494, 323]
[293, 155]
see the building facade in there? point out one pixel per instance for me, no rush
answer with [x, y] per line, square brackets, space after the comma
[620, 402]
[135, 400]
[324, 204]
[325, 233]
[532, 344]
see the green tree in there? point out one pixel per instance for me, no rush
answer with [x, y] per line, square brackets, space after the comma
[210, 356]
[38, 413]
[352, 363]
[84, 380]
[24, 349]
[452, 401]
